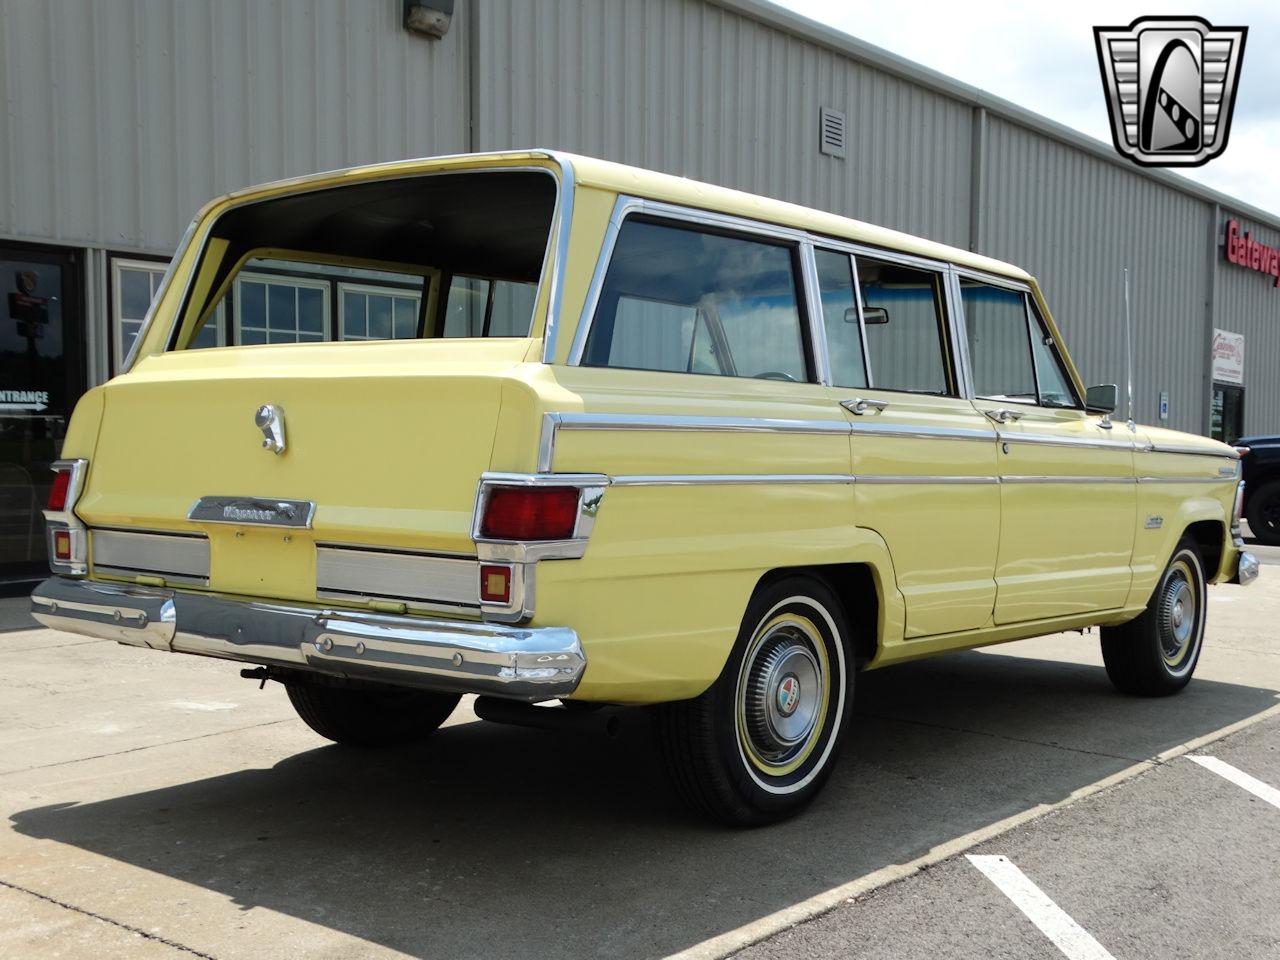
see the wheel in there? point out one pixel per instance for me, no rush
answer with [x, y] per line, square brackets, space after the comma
[1155, 654]
[1264, 513]
[759, 744]
[363, 717]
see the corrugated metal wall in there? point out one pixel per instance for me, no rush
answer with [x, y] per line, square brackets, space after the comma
[1246, 301]
[1075, 221]
[692, 89]
[124, 117]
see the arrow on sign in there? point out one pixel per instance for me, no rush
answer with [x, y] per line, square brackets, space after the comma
[15, 407]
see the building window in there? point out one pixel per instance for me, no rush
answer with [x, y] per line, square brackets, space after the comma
[134, 284]
[280, 309]
[377, 313]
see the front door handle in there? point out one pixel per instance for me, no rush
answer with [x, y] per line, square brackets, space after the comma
[1003, 415]
[859, 405]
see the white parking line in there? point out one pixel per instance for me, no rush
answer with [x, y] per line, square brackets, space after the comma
[1067, 935]
[1241, 779]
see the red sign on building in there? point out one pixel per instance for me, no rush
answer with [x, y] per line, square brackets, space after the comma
[1244, 251]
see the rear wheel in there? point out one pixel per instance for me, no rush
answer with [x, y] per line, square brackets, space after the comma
[761, 742]
[1155, 654]
[1264, 513]
[363, 717]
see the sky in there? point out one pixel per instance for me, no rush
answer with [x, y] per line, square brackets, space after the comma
[1042, 57]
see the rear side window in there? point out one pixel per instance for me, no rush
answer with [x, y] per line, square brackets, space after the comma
[905, 326]
[683, 300]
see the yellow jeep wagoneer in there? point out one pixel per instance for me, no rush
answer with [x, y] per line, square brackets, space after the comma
[545, 428]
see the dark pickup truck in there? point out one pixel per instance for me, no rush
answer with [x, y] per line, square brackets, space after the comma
[1262, 487]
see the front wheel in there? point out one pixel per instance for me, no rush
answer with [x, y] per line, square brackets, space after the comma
[759, 744]
[1155, 654]
[369, 717]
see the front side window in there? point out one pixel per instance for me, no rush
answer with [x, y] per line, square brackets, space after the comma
[905, 326]
[1011, 352]
[684, 300]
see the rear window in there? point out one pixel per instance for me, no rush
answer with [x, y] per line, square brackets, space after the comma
[451, 255]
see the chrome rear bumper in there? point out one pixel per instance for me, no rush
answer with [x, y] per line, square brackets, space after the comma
[526, 663]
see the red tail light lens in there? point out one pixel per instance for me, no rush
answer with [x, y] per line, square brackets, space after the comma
[530, 513]
[58, 492]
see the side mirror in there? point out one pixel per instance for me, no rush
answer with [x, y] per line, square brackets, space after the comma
[869, 315]
[1101, 399]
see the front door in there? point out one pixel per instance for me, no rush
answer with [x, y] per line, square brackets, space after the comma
[1227, 421]
[42, 374]
[1067, 491]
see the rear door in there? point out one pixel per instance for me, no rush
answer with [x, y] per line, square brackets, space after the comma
[923, 457]
[1067, 490]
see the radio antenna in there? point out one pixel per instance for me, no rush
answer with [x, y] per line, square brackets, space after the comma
[1128, 348]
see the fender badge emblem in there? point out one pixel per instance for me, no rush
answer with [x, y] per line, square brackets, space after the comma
[269, 418]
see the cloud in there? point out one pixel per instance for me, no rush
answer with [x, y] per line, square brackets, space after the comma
[1042, 57]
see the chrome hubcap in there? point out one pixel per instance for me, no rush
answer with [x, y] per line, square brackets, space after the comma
[1177, 615]
[781, 693]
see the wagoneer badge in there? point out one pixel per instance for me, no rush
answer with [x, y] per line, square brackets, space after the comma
[253, 510]
[269, 418]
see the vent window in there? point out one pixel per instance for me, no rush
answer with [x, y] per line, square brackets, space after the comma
[831, 127]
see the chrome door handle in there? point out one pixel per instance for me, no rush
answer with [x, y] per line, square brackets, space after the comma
[859, 406]
[1003, 415]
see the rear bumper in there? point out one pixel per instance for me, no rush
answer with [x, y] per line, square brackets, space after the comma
[526, 663]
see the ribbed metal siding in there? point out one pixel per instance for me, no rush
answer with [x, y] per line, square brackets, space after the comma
[1247, 302]
[1075, 221]
[692, 89]
[123, 117]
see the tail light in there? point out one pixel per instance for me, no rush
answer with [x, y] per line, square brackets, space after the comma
[530, 513]
[58, 492]
[495, 583]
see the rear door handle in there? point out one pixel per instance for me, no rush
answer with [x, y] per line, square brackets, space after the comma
[1003, 415]
[858, 406]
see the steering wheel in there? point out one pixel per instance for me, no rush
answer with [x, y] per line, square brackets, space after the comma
[776, 375]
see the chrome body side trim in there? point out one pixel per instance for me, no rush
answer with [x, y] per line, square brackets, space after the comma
[920, 480]
[1055, 441]
[65, 520]
[447, 584]
[699, 479]
[922, 432]
[524, 663]
[177, 558]
[1148, 479]
[1228, 454]
[1035, 478]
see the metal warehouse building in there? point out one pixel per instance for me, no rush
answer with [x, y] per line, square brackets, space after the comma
[123, 116]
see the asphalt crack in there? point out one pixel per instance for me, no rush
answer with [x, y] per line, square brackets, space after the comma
[138, 931]
[1005, 736]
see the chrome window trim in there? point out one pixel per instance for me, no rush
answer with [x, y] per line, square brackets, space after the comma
[813, 307]
[557, 232]
[888, 254]
[958, 329]
[994, 279]
[127, 363]
[627, 205]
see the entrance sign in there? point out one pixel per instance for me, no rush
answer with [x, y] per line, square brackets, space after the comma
[1228, 356]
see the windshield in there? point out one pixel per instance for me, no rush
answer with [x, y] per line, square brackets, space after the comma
[451, 255]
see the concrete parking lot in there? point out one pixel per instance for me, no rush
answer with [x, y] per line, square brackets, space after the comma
[160, 806]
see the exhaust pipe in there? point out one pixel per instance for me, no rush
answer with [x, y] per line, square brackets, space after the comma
[581, 718]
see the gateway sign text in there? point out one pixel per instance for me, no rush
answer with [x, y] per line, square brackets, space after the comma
[1244, 251]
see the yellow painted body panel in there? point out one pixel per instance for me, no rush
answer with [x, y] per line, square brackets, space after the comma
[389, 439]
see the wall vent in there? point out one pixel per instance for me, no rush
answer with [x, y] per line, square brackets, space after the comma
[831, 128]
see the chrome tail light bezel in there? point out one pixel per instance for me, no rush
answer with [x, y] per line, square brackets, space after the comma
[66, 521]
